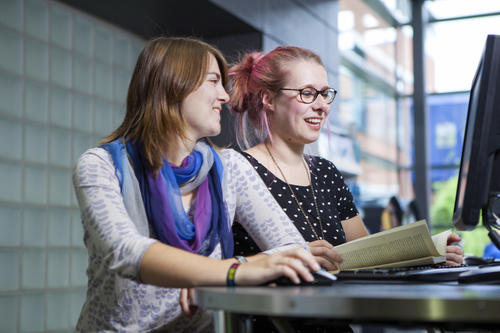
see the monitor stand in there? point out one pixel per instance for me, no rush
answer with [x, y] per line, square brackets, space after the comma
[491, 217]
[487, 274]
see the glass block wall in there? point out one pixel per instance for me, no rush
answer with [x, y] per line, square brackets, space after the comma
[63, 82]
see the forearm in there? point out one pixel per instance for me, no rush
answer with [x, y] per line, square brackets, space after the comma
[167, 266]
[354, 228]
[256, 257]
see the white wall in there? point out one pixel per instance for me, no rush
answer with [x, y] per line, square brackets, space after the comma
[63, 81]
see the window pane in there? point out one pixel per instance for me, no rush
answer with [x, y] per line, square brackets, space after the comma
[405, 132]
[367, 38]
[404, 60]
[444, 187]
[440, 9]
[370, 113]
[453, 49]
[406, 192]
[447, 116]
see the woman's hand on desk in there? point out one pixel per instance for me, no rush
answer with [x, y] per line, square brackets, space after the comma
[454, 253]
[325, 254]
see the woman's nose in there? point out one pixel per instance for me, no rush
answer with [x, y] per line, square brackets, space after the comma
[223, 95]
[320, 104]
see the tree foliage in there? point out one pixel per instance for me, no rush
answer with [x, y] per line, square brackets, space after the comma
[474, 241]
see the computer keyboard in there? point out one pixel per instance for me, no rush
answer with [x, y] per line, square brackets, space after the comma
[440, 273]
[416, 274]
[487, 274]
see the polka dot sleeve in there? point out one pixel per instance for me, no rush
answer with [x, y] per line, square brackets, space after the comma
[340, 191]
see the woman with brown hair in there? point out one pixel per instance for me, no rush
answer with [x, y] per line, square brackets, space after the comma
[157, 201]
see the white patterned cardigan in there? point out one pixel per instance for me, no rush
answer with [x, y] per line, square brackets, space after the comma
[116, 300]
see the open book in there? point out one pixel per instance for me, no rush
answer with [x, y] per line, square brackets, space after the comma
[407, 245]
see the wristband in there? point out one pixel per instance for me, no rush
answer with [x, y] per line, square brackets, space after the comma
[241, 259]
[231, 273]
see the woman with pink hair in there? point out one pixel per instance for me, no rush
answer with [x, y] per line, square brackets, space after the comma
[281, 100]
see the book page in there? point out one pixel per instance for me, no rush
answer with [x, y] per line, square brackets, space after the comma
[413, 262]
[402, 243]
[440, 241]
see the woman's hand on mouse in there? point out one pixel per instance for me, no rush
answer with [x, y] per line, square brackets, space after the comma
[294, 263]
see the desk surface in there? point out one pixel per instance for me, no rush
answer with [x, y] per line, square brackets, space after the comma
[413, 303]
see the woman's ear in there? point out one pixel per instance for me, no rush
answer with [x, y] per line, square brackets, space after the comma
[268, 101]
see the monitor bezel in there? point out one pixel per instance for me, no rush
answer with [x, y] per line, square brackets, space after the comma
[480, 152]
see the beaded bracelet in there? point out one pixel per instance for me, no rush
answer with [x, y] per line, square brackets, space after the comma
[231, 273]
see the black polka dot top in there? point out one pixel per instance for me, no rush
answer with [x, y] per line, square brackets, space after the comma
[335, 203]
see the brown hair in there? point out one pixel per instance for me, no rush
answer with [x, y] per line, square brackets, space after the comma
[255, 74]
[167, 70]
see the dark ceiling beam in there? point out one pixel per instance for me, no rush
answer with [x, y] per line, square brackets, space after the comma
[152, 18]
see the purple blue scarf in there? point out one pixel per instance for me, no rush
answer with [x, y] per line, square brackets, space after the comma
[161, 194]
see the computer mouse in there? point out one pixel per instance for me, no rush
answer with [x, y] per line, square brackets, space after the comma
[321, 278]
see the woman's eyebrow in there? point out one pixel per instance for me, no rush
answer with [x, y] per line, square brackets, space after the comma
[214, 73]
[312, 86]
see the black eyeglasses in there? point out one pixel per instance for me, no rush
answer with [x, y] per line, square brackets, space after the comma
[308, 95]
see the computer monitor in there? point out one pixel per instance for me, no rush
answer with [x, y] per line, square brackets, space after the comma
[478, 191]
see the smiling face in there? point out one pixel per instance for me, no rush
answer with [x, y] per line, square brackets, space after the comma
[289, 118]
[201, 108]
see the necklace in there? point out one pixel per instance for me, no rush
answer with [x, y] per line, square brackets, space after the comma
[295, 197]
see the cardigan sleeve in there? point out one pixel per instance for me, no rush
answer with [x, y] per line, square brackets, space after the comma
[113, 240]
[256, 209]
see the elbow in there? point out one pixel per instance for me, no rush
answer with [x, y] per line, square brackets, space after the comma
[126, 259]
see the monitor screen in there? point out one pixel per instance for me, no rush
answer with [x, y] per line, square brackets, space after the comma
[479, 176]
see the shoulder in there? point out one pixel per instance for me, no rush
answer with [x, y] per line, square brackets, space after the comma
[234, 163]
[94, 164]
[227, 153]
[232, 157]
[237, 166]
[319, 160]
[244, 160]
[323, 166]
[94, 156]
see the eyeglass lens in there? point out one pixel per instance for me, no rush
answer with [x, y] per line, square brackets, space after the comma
[309, 95]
